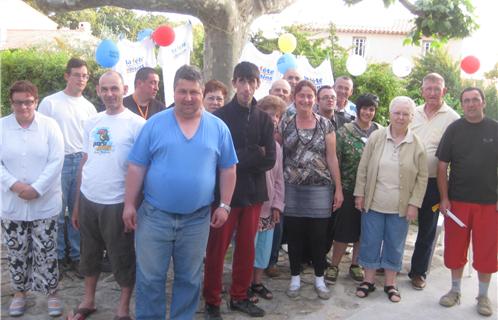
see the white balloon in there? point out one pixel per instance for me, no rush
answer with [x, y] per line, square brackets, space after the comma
[356, 65]
[402, 67]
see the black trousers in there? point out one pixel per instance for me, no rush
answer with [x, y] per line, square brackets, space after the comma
[298, 230]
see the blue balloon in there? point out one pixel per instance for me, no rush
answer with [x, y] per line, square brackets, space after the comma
[285, 62]
[107, 54]
[145, 33]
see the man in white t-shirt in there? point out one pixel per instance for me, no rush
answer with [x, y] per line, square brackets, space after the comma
[70, 109]
[107, 140]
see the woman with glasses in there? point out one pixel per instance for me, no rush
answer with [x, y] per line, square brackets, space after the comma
[31, 155]
[215, 93]
[390, 186]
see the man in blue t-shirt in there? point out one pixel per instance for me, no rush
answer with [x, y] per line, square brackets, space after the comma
[177, 157]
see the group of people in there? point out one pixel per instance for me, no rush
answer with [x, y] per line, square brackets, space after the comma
[150, 185]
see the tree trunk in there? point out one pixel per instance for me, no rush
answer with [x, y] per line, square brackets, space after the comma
[222, 50]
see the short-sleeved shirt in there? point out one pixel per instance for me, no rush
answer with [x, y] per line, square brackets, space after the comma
[472, 151]
[181, 172]
[431, 130]
[70, 114]
[351, 140]
[305, 161]
[107, 140]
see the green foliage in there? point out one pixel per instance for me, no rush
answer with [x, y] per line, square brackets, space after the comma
[109, 22]
[436, 61]
[45, 69]
[197, 56]
[492, 74]
[443, 19]
[379, 80]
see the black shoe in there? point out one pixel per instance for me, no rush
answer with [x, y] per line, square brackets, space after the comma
[247, 307]
[212, 312]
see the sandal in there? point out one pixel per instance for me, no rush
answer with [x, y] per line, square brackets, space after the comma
[54, 306]
[82, 313]
[262, 291]
[391, 292]
[365, 288]
[252, 296]
[17, 306]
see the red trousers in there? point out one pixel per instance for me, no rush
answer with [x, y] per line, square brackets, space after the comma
[245, 221]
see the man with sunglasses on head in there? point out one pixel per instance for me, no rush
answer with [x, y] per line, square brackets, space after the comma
[70, 109]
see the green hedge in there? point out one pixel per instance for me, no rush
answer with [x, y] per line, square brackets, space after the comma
[46, 70]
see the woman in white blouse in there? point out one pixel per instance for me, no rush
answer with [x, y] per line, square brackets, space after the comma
[31, 157]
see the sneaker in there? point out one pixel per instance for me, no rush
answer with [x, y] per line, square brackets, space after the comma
[418, 282]
[293, 292]
[331, 274]
[356, 273]
[212, 312]
[450, 299]
[272, 272]
[484, 306]
[323, 292]
[247, 307]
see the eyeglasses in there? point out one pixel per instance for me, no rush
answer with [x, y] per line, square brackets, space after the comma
[328, 98]
[79, 75]
[20, 103]
[401, 114]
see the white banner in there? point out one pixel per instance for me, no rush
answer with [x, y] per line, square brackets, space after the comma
[267, 64]
[132, 57]
[174, 56]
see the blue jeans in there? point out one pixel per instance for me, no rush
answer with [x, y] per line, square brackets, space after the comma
[68, 180]
[159, 237]
[277, 240]
[382, 240]
[427, 224]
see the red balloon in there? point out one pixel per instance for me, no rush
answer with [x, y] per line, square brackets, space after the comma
[470, 64]
[164, 35]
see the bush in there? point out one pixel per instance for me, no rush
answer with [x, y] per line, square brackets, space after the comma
[379, 80]
[45, 69]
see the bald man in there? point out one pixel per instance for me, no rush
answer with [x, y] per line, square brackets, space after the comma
[98, 211]
[281, 88]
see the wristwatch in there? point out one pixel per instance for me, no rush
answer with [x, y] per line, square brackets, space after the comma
[225, 206]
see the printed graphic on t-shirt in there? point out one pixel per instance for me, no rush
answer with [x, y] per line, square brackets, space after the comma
[102, 140]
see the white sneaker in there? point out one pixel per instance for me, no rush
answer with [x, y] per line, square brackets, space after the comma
[293, 291]
[323, 292]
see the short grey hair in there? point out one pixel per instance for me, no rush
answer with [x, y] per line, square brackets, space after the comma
[189, 73]
[403, 100]
[111, 72]
[433, 77]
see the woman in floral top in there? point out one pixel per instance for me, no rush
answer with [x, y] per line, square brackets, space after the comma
[351, 139]
[311, 169]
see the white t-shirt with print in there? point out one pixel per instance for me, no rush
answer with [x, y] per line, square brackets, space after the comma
[107, 141]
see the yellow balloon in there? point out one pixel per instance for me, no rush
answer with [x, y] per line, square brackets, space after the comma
[287, 43]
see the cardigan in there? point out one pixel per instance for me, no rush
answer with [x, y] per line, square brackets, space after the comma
[413, 173]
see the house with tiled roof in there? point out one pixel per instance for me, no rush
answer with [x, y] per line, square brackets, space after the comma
[380, 40]
[22, 26]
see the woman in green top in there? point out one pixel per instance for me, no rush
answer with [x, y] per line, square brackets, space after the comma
[351, 139]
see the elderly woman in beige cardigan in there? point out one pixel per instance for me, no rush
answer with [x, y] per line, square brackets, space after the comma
[390, 186]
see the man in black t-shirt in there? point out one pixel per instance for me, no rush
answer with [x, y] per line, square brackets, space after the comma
[470, 146]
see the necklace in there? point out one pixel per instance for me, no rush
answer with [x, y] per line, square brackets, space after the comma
[299, 136]
[144, 113]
